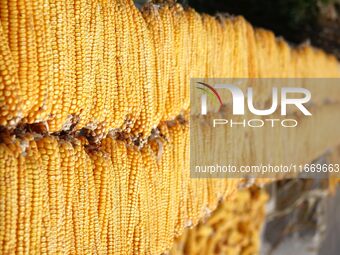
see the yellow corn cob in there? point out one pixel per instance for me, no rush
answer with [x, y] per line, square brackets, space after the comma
[168, 71]
[267, 49]
[147, 118]
[67, 164]
[304, 62]
[117, 152]
[11, 110]
[9, 193]
[128, 64]
[209, 26]
[97, 64]
[117, 68]
[82, 214]
[48, 242]
[49, 151]
[102, 171]
[181, 43]
[42, 106]
[134, 163]
[172, 97]
[60, 80]
[252, 63]
[197, 54]
[150, 205]
[194, 31]
[115, 243]
[197, 200]
[141, 237]
[177, 139]
[33, 168]
[77, 213]
[167, 161]
[84, 84]
[284, 59]
[24, 202]
[71, 53]
[110, 108]
[218, 41]
[95, 243]
[228, 44]
[88, 233]
[160, 46]
[241, 48]
[163, 150]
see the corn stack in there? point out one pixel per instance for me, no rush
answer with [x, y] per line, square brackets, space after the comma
[95, 64]
[70, 196]
[94, 110]
[233, 228]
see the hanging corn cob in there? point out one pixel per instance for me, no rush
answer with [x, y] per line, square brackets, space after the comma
[234, 228]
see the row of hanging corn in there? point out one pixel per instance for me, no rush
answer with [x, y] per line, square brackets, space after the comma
[106, 69]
